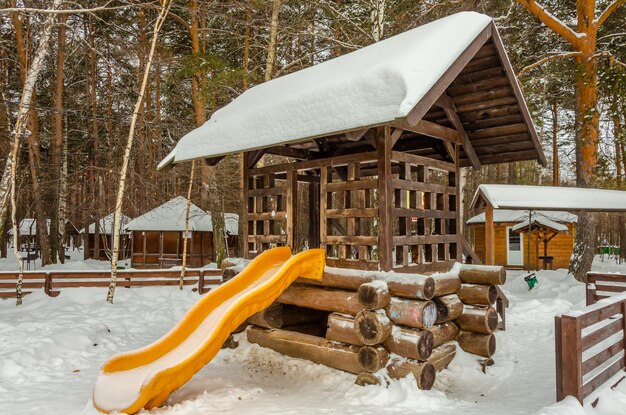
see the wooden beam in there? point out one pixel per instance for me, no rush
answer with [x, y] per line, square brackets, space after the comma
[431, 129]
[286, 151]
[356, 135]
[254, 157]
[446, 103]
[385, 235]
[213, 160]
[292, 209]
[243, 221]
[489, 236]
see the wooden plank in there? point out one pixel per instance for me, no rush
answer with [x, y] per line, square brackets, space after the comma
[243, 220]
[356, 135]
[509, 129]
[488, 104]
[422, 187]
[423, 213]
[323, 206]
[423, 239]
[601, 357]
[599, 335]
[364, 184]
[598, 276]
[352, 213]
[292, 210]
[571, 378]
[480, 96]
[489, 237]
[269, 239]
[485, 85]
[605, 375]
[351, 240]
[352, 264]
[315, 164]
[424, 161]
[518, 93]
[265, 216]
[504, 157]
[385, 225]
[610, 288]
[558, 357]
[599, 314]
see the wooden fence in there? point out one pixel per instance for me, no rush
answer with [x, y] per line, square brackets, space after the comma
[52, 281]
[589, 347]
[599, 286]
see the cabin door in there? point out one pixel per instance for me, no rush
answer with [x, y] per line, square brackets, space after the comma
[514, 247]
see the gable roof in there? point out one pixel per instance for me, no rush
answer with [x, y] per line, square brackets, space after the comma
[506, 196]
[106, 225]
[170, 216]
[541, 221]
[519, 216]
[395, 80]
[28, 227]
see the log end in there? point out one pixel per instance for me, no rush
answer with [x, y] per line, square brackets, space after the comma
[492, 319]
[372, 359]
[425, 345]
[366, 379]
[428, 291]
[372, 327]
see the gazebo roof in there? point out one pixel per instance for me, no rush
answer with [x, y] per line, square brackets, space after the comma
[504, 196]
[539, 221]
[170, 216]
[398, 80]
[517, 216]
[106, 225]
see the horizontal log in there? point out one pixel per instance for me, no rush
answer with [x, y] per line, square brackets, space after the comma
[372, 327]
[477, 294]
[442, 356]
[446, 283]
[411, 343]
[478, 320]
[374, 295]
[443, 333]
[449, 307]
[476, 343]
[313, 348]
[483, 274]
[279, 315]
[318, 298]
[340, 328]
[372, 359]
[414, 286]
[412, 313]
[423, 372]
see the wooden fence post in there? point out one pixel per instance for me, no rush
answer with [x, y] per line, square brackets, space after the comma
[569, 358]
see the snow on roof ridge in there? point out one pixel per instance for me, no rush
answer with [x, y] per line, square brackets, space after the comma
[516, 216]
[404, 67]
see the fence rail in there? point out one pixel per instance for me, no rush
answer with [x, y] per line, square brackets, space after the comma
[52, 281]
[589, 347]
[600, 285]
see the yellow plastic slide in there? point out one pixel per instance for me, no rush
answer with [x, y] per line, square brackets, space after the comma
[144, 378]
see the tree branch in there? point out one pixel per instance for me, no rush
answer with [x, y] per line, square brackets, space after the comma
[608, 12]
[72, 11]
[552, 22]
[550, 58]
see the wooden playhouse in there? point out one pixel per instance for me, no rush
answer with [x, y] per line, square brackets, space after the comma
[372, 144]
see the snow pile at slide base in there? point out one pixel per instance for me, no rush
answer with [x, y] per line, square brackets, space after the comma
[51, 351]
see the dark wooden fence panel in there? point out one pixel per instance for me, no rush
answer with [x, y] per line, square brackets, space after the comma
[589, 346]
[52, 281]
[600, 285]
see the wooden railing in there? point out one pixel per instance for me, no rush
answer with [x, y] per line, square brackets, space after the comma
[589, 346]
[599, 286]
[52, 281]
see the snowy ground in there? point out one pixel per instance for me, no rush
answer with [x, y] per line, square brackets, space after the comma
[51, 350]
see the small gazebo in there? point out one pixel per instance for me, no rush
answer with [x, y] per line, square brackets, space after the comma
[491, 197]
[158, 235]
[105, 241]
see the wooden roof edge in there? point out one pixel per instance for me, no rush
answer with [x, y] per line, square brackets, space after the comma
[513, 81]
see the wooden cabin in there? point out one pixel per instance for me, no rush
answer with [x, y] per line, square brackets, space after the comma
[371, 145]
[102, 250]
[511, 238]
[158, 235]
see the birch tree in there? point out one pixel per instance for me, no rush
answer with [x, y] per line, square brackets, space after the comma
[19, 131]
[164, 10]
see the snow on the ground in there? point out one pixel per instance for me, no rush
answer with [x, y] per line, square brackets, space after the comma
[74, 263]
[51, 350]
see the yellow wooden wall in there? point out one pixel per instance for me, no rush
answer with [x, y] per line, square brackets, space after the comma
[560, 247]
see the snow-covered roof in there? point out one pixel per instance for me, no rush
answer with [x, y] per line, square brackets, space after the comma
[377, 84]
[542, 221]
[515, 216]
[28, 227]
[170, 216]
[505, 196]
[106, 224]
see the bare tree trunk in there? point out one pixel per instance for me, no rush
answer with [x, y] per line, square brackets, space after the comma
[378, 19]
[57, 223]
[165, 7]
[556, 176]
[271, 46]
[63, 198]
[186, 236]
[20, 128]
[246, 46]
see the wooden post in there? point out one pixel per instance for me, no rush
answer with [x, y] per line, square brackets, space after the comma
[243, 222]
[569, 377]
[292, 209]
[489, 236]
[459, 218]
[385, 237]
[323, 206]
[314, 219]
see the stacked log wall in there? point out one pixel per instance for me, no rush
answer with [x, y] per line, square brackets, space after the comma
[361, 322]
